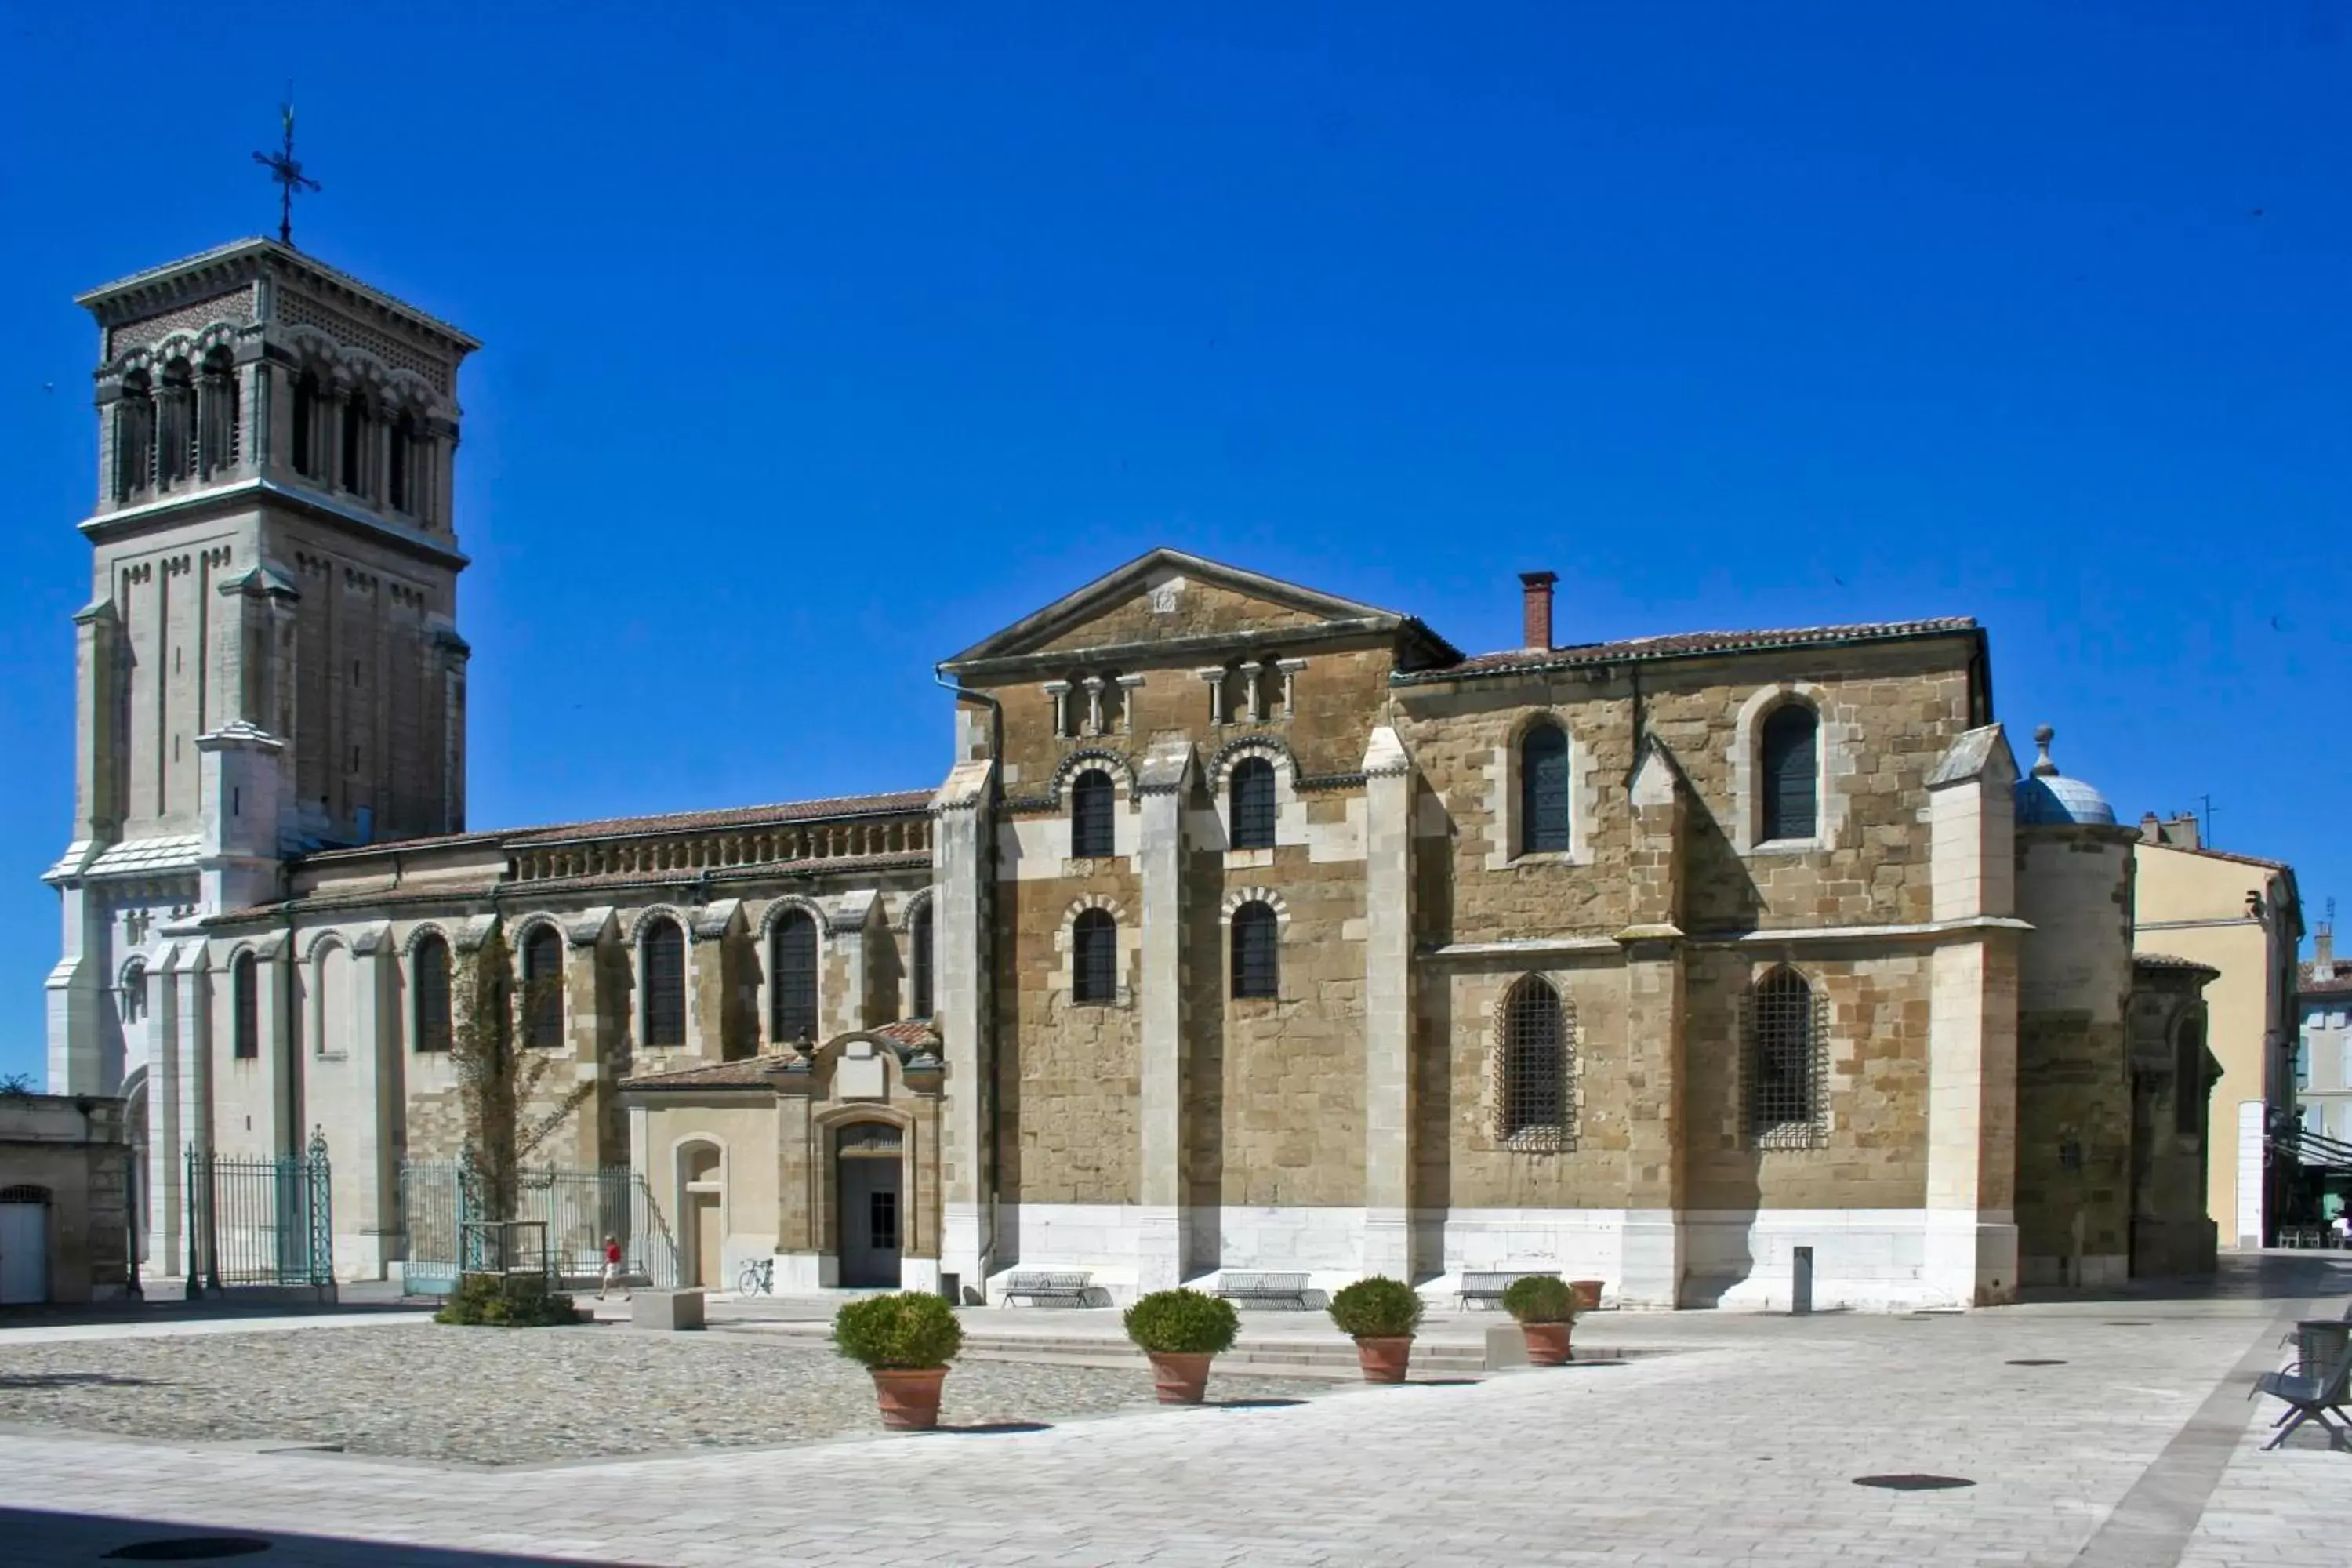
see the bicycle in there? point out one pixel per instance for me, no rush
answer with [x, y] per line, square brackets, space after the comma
[758, 1278]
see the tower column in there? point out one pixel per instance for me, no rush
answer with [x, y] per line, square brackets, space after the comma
[961, 867]
[1651, 1270]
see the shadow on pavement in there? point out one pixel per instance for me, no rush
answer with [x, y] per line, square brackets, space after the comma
[29, 1538]
[2240, 1277]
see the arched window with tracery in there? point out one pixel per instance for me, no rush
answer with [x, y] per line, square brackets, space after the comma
[1532, 1104]
[1094, 957]
[1790, 774]
[542, 988]
[919, 939]
[792, 978]
[307, 445]
[1784, 1071]
[219, 435]
[1091, 806]
[134, 437]
[1543, 790]
[429, 970]
[1252, 788]
[664, 947]
[1257, 960]
[244, 1007]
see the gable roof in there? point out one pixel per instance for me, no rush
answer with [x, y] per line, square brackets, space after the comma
[1687, 645]
[1032, 631]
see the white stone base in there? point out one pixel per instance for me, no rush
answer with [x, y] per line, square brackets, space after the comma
[799, 1273]
[1864, 1259]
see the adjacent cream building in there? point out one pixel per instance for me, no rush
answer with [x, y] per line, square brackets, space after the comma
[1245, 926]
[2241, 915]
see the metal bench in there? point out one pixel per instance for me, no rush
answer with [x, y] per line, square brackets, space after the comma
[1264, 1289]
[1069, 1289]
[1489, 1288]
[2309, 1396]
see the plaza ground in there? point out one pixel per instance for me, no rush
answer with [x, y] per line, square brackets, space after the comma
[2111, 1432]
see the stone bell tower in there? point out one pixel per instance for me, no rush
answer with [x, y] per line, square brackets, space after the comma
[269, 661]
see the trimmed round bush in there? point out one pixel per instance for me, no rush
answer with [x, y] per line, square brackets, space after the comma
[1541, 1299]
[1376, 1309]
[911, 1332]
[505, 1301]
[1183, 1322]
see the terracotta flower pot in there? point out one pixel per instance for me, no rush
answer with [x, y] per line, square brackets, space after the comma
[1587, 1293]
[911, 1399]
[1182, 1377]
[1546, 1343]
[1383, 1358]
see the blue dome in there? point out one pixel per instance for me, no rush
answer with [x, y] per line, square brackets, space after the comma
[2047, 796]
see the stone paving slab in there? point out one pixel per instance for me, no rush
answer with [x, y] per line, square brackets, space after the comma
[1745, 1453]
[493, 1396]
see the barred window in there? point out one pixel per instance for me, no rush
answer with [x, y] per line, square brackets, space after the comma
[1252, 804]
[664, 959]
[1790, 769]
[1543, 790]
[1090, 815]
[1784, 1044]
[1094, 957]
[1535, 1064]
[542, 989]
[430, 967]
[244, 993]
[921, 957]
[1257, 964]
[792, 978]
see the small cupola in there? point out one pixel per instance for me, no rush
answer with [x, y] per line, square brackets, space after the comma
[2047, 796]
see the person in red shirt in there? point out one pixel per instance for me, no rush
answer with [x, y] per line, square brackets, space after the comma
[612, 1268]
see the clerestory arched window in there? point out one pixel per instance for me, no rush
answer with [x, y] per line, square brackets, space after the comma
[244, 1007]
[664, 946]
[792, 978]
[430, 969]
[542, 988]
[1252, 788]
[1784, 1059]
[1092, 804]
[919, 961]
[1535, 1045]
[1543, 790]
[1789, 773]
[1094, 957]
[1257, 961]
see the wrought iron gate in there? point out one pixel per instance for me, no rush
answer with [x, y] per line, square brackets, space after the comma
[580, 1209]
[260, 1220]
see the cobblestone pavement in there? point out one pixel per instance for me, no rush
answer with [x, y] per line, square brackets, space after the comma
[493, 1396]
[2104, 1434]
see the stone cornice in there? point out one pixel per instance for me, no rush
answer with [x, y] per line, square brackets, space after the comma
[125, 521]
[241, 262]
[1529, 947]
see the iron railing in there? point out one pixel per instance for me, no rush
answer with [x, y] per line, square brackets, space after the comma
[260, 1219]
[440, 1202]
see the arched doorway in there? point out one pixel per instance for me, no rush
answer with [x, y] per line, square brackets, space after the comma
[702, 1214]
[871, 1216]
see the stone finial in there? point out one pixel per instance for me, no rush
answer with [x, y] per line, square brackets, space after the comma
[2043, 766]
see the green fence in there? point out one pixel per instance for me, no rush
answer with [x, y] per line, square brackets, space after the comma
[260, 1220]
[580, 1209]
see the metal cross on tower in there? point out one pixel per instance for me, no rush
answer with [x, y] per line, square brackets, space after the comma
[288, 174]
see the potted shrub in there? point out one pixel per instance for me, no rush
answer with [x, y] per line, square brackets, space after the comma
[906, 1340]
[1379, 1314]
[1545, 1308]
[1588, 1294]
[1181, 1332]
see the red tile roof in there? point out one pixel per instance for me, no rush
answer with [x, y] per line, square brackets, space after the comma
[671, 822]
[1687, 645]
[744, 1072]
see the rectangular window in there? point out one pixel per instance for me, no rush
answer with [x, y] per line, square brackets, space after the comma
[882, 1215]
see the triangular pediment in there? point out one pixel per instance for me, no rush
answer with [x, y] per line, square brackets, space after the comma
[1169, 596]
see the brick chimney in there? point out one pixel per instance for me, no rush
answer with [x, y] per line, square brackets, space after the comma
[1535, 609]
[2322, 951]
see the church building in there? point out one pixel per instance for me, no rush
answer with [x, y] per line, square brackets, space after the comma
[1244, 926]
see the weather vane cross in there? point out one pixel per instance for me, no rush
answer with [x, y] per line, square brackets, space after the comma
[287, 173]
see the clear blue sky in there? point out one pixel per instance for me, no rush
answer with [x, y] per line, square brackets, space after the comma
[823, 339]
